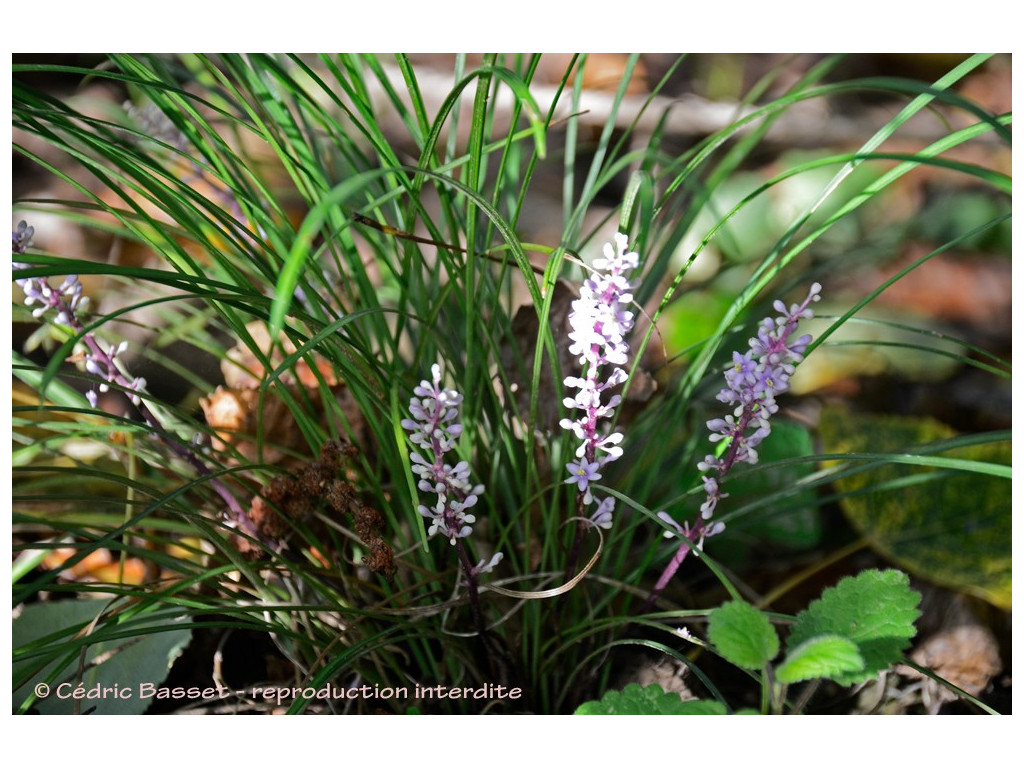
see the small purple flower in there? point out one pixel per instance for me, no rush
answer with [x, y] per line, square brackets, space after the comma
[21, 237]
[742, 371]
[486, 566]
[671, 522]
[770, 380]
[602, 516]
[583, 472]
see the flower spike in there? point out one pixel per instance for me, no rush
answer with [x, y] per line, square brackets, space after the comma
[752, 382]
[599, 321]
[434, 428]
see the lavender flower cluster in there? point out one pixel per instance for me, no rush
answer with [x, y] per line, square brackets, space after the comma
[600, 320]
[752, 382]
[21, 238]
[103, 363]
[66, 300]
[434, 429]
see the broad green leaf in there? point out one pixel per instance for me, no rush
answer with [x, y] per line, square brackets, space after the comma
[875, 610]
[950, 527]
[648, 700]
[824, 656]
[122, 684]
[706, 707]
[743, 635]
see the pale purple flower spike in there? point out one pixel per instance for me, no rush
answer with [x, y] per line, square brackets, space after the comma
[66, 300]
[600, 320]
[752, 382]
[434, 428]
[102, 363]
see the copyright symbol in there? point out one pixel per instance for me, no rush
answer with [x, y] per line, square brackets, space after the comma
[42, 690]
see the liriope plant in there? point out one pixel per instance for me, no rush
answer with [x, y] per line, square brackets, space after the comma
[414, 484]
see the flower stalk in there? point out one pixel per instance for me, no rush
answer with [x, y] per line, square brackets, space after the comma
[600, 320]
[434, 429]
[104, 364]
[752, 382]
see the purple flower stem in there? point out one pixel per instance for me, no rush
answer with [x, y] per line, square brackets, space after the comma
[472, 589]
[754, 387]
[577, 542]
[454, 524]
[433, 428]
[54, 300]
[694, 535]
[689, 542]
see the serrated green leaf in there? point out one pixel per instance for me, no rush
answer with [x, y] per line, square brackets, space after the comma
[876, 610]
[824, 656]
[703, 707]
[743, 635]
[635, 699]
[951, 528]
